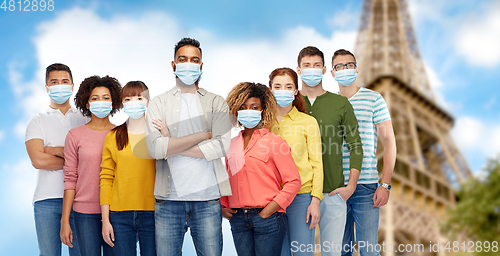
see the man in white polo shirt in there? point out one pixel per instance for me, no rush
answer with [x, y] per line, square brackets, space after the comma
[45, 135]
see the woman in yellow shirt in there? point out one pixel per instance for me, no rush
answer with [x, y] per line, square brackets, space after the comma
[127, 179]
[301, 132]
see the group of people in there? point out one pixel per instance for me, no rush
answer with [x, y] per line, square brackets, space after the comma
[301, 159]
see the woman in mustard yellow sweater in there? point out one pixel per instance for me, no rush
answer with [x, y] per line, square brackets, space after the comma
[127, 179]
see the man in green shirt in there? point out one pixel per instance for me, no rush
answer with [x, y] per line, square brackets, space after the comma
[337, 122]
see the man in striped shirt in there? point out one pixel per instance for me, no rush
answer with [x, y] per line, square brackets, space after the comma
[363, 207]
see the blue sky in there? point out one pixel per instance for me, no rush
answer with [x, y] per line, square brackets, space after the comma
[241, 41]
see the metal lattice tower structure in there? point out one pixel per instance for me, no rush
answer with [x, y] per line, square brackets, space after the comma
[429, 166]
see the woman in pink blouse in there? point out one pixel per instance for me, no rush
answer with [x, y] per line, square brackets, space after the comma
[97, 98]
[264, 178]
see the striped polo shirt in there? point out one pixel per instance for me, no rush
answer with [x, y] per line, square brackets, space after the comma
[370, 109]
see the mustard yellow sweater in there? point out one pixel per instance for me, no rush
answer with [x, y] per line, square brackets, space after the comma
[128, 175]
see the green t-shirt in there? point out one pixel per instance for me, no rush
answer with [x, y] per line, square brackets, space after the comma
[337, 122]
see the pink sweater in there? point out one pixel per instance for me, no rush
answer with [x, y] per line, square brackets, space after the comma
[82, 166]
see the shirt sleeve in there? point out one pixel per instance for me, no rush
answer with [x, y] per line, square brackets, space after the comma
[108, 166]
[33, 129]
[351, 136]
[315, 156]
[157, 144]
[70, 168]
[224, 199]
[381, 113]
[290, 177]
[218, 146]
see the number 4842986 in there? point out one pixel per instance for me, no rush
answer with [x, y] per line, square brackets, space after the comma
[27, 5]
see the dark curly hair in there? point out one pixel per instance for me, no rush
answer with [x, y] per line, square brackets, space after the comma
[242, 92]
[90, 83]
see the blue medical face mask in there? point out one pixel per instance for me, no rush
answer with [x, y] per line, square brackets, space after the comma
[188, 72]
[249, 118]
[60, 93]
[135, 109]
[345, 77]
[311, 76]
[101, 109]
[284, 97]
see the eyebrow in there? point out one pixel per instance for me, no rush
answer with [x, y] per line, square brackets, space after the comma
[107, 94]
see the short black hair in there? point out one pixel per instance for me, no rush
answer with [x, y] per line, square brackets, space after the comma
[342, 52]
[310, 51]
[90, 83]
[57, 67]
[187, 41]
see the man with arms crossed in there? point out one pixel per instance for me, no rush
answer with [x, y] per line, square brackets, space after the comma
[337, 122]
[190, 176]
[45, 136]
[363, 207]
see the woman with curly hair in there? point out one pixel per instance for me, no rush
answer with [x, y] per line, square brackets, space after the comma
[97, 98]
[128, 179]
[264, 179]
[301, 132]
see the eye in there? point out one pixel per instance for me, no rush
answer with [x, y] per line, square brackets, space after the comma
[126, 100]
[242, 107]
[139, 98]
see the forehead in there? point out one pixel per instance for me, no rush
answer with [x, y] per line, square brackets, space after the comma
[188, 51]
[59, 74]
[343, 59]
[101, 90]
[311, 59]
[284, 79]
[252, 100]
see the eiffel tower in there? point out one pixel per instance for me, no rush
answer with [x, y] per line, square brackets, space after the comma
[429, 166]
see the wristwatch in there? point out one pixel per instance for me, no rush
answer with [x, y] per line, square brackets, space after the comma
[386, 186]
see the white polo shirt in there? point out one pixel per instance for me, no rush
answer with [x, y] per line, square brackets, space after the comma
[51, 126]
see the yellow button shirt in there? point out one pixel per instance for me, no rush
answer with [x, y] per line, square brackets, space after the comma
[301, 132]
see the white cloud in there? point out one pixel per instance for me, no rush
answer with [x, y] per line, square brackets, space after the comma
[17, 201]
[2, 135]
[473, 135]
[479, 36]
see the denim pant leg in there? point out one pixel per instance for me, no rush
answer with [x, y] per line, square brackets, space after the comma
[255, 236]
[205, 223]
[75, 250]
[89, 232]
[125, 234]
[299, 239]
[242, 232]
[170, 227]
[48, 226]
[332, 224]
[269, 233]
[146, 232]
[366, 217]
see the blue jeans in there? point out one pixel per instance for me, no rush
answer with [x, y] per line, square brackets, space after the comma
[48, 215]
[130, 225]
[332, 224]
[172, 219]
[299, 239]
[256, 236]
[89, 232]
[360, 210]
